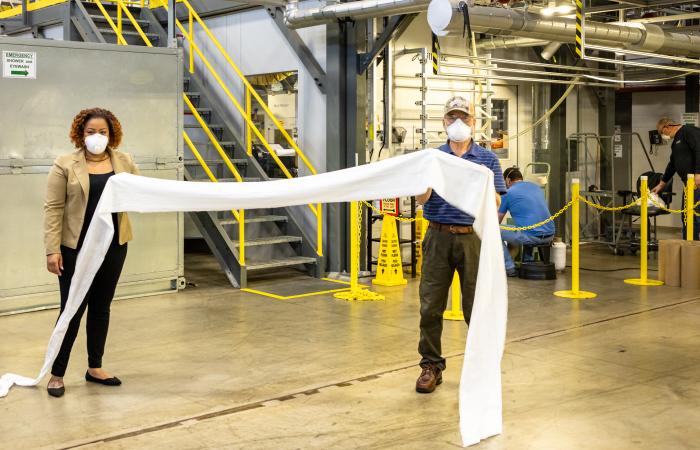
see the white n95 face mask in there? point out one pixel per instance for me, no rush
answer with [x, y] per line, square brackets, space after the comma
[459, 131]
[96, 143]
[665, 137]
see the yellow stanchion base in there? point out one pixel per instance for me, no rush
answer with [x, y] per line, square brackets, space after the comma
[575, 294]
[453, 315]
[359, 295]
[647, 282]
[395, 282]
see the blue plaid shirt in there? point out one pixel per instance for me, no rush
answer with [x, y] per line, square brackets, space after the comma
[436, 209]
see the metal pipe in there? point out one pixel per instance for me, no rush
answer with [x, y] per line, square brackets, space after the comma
[445, 17]
[298, 18]
[498, 42]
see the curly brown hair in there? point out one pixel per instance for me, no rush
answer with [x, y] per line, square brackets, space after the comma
[77, 129]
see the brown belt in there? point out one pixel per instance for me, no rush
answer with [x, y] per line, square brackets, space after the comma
[454, 229]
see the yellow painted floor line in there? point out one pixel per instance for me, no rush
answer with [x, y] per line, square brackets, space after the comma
[308, 294]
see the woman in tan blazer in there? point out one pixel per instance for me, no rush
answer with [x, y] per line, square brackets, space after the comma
[75, 184]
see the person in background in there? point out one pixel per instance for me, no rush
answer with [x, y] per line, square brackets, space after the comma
[450, 244]
[685, 159]
[526, 204]
[75, 184]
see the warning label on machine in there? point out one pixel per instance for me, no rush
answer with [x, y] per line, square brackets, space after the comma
[18, 64]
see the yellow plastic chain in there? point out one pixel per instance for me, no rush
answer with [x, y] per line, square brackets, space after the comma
[379, 211]
[539, 224]
[607, 208]
[672, 211]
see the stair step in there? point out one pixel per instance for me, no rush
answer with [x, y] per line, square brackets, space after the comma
[274, 263]
[127, 33]
[268, 241]
[125, 20]
[236, 162]
[259, 219]
[201, 111]
[211, 126]
[221, 143]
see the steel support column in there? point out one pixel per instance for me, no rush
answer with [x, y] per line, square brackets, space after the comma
[172, 11]
[345, 128]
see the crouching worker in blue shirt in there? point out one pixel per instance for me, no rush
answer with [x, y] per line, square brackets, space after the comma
[526, 204]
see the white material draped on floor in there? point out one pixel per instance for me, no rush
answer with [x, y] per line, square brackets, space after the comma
[463, 184]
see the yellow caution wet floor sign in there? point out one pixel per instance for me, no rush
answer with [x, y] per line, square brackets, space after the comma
[389, 265]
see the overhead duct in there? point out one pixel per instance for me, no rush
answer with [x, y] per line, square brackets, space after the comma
[549, 50]
[299, 18]
[498, 42]
[445, 17]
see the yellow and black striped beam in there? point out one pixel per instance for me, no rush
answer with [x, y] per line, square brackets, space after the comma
[580, 52]
[435, 54]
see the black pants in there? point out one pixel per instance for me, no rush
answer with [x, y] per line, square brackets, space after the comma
[97, 301]
[443, 253]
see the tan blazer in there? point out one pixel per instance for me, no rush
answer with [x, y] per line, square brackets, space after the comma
[66, 199]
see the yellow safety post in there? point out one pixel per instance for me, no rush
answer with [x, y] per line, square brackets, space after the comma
[689, 207]
[319, 230]
[356, 292]
[248, 131]
[241, 236]
[455, 311]
[421, 227]
[643, 280]
[389, 263]
[575, 292]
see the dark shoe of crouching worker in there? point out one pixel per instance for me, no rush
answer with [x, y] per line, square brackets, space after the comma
[450, 245]
[75, 184]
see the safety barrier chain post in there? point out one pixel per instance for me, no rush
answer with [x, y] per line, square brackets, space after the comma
[644, 217]
[455, 311]
[575, 293]
[241, 236]
[690, 207]
[248, 132]
[355, 292]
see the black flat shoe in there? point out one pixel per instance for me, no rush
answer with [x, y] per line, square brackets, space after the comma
[114, 381]
[57, 391]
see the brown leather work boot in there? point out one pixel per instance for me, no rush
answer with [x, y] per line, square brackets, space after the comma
[429, 378]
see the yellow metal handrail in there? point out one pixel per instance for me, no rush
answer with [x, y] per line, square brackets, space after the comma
[238, 214]
[245, 112]
[213, 140]
[40, 4]
[122, 7]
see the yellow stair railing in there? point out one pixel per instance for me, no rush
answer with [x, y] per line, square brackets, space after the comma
[245, 111]
[40, 4]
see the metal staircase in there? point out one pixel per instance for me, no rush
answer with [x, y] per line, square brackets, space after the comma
[273, 237]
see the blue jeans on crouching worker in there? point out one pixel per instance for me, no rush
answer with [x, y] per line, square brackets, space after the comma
[520, 238]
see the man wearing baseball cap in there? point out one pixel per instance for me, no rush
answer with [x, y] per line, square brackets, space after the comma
[450, 244]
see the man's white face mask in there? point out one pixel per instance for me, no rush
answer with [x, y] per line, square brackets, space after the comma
[96, 143]
[459, 131]
[665, 137]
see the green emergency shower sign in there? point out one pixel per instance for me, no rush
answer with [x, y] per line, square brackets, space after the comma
[18, 64]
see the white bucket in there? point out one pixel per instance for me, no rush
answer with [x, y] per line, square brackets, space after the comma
[558, 256]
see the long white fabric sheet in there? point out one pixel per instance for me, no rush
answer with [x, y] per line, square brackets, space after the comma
[463, 184]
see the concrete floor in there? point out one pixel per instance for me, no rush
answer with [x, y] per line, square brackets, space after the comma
[212, 367]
